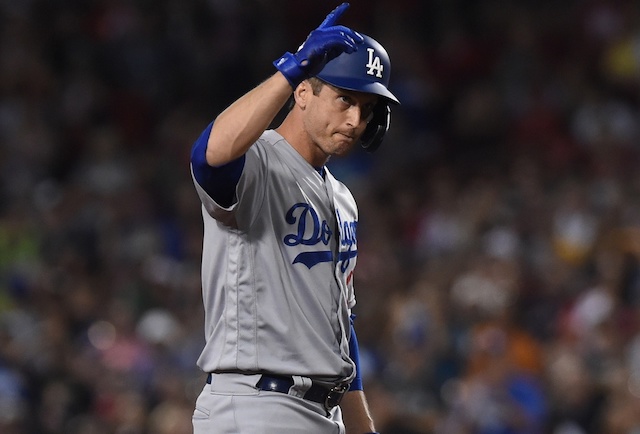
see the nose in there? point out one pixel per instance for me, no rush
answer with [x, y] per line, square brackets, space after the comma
[354, 116]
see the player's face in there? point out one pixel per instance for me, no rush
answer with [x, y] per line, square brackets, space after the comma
[336, 118]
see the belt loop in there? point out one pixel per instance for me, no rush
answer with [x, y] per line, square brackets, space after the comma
[300, 386]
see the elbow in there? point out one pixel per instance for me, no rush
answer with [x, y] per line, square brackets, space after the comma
[215, 158]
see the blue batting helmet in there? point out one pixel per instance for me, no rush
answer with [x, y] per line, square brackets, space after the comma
[365, 70]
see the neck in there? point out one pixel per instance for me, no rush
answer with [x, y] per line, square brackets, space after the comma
[300, 140]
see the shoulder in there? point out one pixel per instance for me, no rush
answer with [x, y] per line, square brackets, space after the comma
[269, 139]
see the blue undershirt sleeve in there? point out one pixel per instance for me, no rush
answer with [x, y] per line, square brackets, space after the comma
[354, 353]
[219, 182]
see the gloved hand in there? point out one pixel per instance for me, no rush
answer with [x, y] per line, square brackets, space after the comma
[322, 45]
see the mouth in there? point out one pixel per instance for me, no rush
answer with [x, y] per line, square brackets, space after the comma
[347, 136]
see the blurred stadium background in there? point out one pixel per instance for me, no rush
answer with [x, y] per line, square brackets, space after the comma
[499, 276]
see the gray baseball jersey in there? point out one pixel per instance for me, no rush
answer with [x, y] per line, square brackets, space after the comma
[277, 270]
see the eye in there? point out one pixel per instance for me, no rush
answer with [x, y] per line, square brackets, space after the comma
[345, 99]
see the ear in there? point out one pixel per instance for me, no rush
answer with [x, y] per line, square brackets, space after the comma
[301, 94]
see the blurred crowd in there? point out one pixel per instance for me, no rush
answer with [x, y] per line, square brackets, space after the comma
[498, 277]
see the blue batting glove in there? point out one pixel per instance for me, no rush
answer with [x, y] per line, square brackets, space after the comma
[323, 44]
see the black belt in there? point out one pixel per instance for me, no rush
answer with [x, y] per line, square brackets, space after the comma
[327, 396]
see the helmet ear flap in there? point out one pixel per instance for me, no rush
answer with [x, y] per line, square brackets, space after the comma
[378, 126]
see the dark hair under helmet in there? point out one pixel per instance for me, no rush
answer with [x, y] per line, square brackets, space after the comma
[365, 70]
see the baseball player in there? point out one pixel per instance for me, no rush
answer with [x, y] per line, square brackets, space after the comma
[280, 242]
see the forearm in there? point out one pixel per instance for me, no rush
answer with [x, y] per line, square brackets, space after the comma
[355, 413]
[242, 123]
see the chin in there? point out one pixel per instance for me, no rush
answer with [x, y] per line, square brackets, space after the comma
[344, 146]
[343, 149]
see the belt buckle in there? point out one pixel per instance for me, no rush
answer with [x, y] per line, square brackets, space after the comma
[334, 396]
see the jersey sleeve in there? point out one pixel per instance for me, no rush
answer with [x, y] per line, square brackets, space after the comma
[230, 193]
[218, 182]
[354, 354]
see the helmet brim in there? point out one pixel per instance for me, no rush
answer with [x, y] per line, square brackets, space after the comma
[360, 86]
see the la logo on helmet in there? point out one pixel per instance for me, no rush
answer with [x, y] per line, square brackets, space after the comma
[374, 65]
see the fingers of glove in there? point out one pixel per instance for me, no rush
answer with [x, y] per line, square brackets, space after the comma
[334, 38]
[322, 45]
[334, 15]
[348, 34]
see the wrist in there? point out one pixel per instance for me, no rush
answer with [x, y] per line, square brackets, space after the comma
[288, 65]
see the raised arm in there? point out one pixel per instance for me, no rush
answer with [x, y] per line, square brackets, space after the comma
[242, 123]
